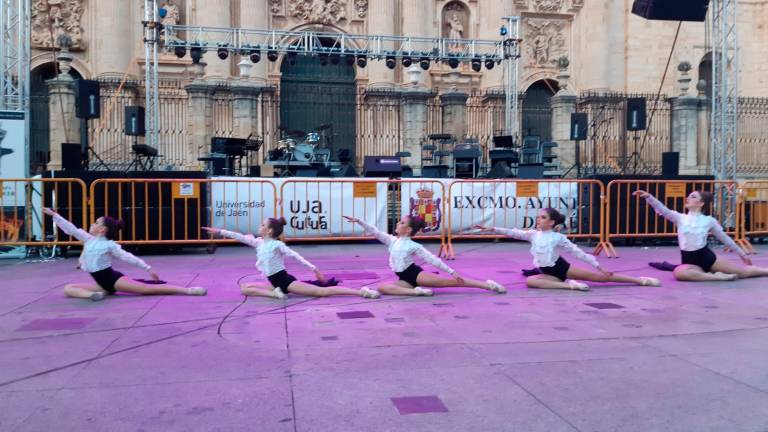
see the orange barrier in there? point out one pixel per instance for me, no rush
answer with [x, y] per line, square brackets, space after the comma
[308, 218]
[173, 211]
[628, 216]
[753, 213]
[515, 204]
[22, 222]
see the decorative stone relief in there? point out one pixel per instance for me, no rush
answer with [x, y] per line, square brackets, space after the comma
[321, 11]
[53, 18]
[275, 6]
[361, 7]
[549, 6]
[547, 42]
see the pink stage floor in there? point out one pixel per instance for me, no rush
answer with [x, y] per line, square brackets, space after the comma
[682, 357]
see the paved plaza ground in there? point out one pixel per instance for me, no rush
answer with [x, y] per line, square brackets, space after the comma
[682, 357]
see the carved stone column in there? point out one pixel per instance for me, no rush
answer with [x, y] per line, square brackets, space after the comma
[685, 130]
[246, 108]
[64, 125]
[455, 113]
[563, 105]
[414, 124]
[200, 122]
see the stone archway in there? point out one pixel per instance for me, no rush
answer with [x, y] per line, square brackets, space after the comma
[39, 115]
[536, 109]
[318, 94]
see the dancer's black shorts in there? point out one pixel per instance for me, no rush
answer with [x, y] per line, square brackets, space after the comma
[559, 270]
[703, 258]
[410, 274]
[281, 280]
[107, 278]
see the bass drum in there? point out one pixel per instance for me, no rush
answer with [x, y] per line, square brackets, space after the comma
[303, 153]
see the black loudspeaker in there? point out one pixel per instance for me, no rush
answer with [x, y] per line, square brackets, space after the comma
[671, 10]
[254, 171]
[636, 114]
[382, 166]
[343, 171]
[71, 157]
[670, 164]
[434, 171]
[504, 141]
[578, 126]
[530, 171]
[134, 121]
[87, 99]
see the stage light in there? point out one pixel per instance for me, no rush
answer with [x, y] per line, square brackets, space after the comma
[222, 52]
[390, 62]
[424, 63]
[503, 31]
[476, 65]
[196, 53]
[272, 55]
[407, 62]
[362, 60]
[489, 64]
[453, 62]
[180, 52]
[255, 56]
[323, 59]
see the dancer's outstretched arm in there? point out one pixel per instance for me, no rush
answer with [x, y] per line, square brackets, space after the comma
[659, 207]
[718, 232]
[118, 252]
[380, 236]
[435, 261]
[295, 255]
[67, 226]
[580, 254]
[248, 239]
[515, 233]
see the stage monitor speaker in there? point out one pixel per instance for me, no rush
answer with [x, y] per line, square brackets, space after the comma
[254, 171]
[530, 171]
[343, 171]
[578, 126]
[671, 10]
[382, 166]
[434, 171]
[505, 141]
[670, 164]
[71, 157]
[636, 114]
[87, 99]
[134, 121]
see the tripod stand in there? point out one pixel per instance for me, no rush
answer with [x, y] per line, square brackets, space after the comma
[86, 149]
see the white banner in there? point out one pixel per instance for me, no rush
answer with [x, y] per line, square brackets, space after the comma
[12, 161]
[502, 204]
[311, 208]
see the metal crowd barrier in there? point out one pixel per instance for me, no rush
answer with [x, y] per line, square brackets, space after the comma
[631, 217]
[22, 222]
[516, 203]
[173, 211]
[314, 208]
[753, 213]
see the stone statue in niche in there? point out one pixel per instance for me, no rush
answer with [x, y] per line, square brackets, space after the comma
[454, 19]
[53, 18]
[172, 16]
[457, 28]
[321, 11]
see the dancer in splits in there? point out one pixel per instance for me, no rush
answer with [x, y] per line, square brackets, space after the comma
[556, 272]
[270, 253]
[98, 249]
[413, 280]
[699, 263]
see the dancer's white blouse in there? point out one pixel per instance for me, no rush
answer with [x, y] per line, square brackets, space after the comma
[693, 228]
[546, 246]
[269, 252]
[403, 249]
[97, 250]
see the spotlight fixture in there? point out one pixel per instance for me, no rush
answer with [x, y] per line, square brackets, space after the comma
[222, 52]
[424, 63]
[390, 62]
[503, 31]
[335, 59]
[255, 56]
[323, 59]
[180, 51]
[272, 55]
[476, 64]
[407, 62]
[362, 60]
[489, 64]
[453, 62]
[196, 53]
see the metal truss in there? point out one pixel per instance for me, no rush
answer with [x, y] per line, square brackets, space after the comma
[152, 94]
[14, 55]
[725, 90]
[511, 75]
[244, 41]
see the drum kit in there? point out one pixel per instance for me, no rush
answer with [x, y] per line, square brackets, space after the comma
[304, 150]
